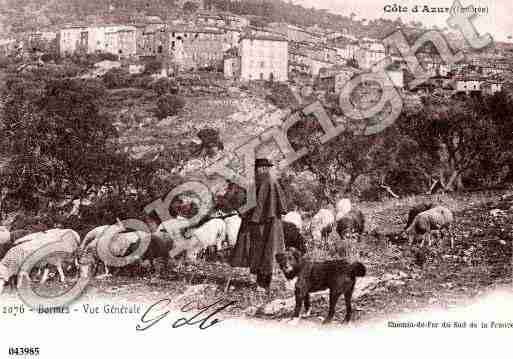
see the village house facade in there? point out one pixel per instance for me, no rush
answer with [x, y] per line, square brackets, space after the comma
[231, 65]
[369, 54]
[264, 58]
[491, 87]
[73, 39]
[235, 21]
[335, 78]
[468, 84]
[193, 48]
[115, 39]
[152, 40]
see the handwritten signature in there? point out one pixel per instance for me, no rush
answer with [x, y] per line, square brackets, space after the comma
[205, 320]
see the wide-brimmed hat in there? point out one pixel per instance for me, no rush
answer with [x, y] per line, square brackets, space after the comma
[263, 162]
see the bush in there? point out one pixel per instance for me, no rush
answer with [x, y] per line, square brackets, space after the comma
[108, 209]
[142, 82]
[164, 86]
[47, 57]
[152, 67]
[116, 78]
[106, 57]
[209, 138]
[282, 97]
[169, 105]
[89, 60]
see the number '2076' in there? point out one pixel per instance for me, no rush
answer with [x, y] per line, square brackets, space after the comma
[23, 351]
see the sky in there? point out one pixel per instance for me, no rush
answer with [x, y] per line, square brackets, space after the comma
[498, 22]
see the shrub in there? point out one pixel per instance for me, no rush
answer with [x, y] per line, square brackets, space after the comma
[210, 137]
[106, 56]
[152, 67]
[142, 82]
[47, 57]
[108, 209]
[116, 78]
[169, 105]
[164, 86]
[281, 96]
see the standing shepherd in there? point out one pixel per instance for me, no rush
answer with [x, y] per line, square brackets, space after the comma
[261, 234]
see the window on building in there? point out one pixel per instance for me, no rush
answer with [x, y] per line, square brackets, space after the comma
[262, 64]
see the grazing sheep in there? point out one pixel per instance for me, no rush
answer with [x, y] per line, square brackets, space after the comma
[5, 235]
[119, 245]
[322, 225]
[419, 208]
[342, 208]
[293, 218]
[160, 245]
[436, 218]
[352, 222]
[211, 233]
[7, 239]
[94, 234]
[16, 256]
[293, 237]
[233, 224]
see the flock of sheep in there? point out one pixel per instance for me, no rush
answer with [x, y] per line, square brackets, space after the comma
[218, 233]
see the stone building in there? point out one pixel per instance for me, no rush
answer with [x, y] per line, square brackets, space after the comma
[72, 39]
[194, 48]
[115, 39]
[152, 40]
[264, 58]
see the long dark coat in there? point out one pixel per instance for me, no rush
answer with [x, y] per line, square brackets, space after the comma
[261, 233]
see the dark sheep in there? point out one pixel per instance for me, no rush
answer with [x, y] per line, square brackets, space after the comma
[159, 248]
[353, 221]
[293, 237]
[419, 208]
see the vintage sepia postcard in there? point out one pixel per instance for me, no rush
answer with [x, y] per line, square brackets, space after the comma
[249, 178]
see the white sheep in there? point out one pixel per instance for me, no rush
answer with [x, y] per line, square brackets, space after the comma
[13, 260]
[322, 224]
[342, 208]
[294, 218]
[233, 224]
[119, 242]
[5, 236]
[208, 234]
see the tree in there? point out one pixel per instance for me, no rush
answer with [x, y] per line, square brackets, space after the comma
[152, 67]
[455, 137]
[116, 78]
[58, 142]
[164, 86]
[190, 7]
[338, 164]
[169, 105]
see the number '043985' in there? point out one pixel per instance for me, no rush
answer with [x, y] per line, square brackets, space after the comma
[23, 351]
